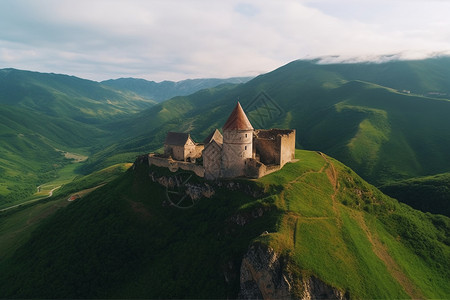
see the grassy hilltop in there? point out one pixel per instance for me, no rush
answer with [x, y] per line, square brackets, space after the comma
[123, 240]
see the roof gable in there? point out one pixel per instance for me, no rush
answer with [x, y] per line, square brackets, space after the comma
[237, 120]
[177, 138]
[214, 136]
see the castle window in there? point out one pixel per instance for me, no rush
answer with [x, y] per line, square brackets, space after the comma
[245, 135]
[245, 147]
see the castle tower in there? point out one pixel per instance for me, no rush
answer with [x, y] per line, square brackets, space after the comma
[237, 143]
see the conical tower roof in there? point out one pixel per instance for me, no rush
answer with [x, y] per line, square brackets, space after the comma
[237, 120]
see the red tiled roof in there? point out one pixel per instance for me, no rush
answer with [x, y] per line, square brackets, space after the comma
[237, 120]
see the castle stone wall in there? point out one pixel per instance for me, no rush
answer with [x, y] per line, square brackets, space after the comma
[193, 151]
[174, 165]
[287, 147]
[256, 169]
[212, 159]
[177, 152]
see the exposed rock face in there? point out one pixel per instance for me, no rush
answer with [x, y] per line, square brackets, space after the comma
[314, 288]
[243, 218]
[198, 190]
[264, 275]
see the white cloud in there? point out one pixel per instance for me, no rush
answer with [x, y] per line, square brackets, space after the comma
[175, 40]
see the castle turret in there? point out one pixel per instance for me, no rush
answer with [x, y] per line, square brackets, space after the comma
[237, 143]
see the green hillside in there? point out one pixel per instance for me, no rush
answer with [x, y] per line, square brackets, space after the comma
[314, 220]
[67, 96]
[31, 149]
[16, 224]
[429, 193]
[42, 116]
[429, 77]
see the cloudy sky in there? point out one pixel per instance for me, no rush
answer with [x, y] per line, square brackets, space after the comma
[175, 40]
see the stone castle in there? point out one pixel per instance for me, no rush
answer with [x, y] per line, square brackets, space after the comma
[240, 152]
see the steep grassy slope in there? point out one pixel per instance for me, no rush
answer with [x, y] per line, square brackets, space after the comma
[17, 224]
[429, 193]
[160, 91]
[125, 240]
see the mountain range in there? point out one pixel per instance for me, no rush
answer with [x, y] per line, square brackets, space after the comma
[313, 229]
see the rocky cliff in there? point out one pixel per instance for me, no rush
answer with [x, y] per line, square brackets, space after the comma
[265, 275]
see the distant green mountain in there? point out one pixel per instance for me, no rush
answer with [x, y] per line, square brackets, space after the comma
[383, 133]
[66, 96]
[160, 91]
[314, 229]
[429, 193]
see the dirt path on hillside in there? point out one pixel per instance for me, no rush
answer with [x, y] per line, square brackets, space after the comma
[84, 192]
[31, 201]
[52, 190]
[378, 248]
[381, 251]
[333, 178]
[293, 218]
